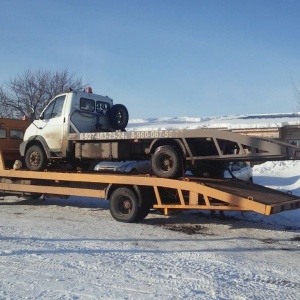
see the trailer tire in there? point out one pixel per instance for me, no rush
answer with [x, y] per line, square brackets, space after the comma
[124, 206]
[166, 162]
[144, 207]
[142, 214]
[35, 158]
[118, 116]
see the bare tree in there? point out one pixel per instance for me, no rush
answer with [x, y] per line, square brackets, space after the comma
[28, 93]
[5, 110]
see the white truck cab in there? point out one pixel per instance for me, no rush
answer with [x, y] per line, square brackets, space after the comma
[72, 112]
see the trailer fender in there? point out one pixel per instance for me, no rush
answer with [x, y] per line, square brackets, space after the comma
[112, 187]
[145, 194]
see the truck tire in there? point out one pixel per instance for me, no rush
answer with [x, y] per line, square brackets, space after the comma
[118, 116]
[124, 206]
[166, 162]
[35, 158]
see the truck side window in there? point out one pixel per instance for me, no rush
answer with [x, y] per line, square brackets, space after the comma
[58, 107]
[55, 108]
[87, 104]
[2, 133]
[48, 111]
[16, 134]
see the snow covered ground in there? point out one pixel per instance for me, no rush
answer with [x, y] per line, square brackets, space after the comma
[73, 249]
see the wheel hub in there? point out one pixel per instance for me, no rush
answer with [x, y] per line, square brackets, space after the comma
[167, 162]
[34, 158]
[127, 204]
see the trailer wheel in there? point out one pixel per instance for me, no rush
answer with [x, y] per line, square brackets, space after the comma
[118, 116]
[144, 206]
[142, 214]
[123, 205]
[166, 162]
[35, 158]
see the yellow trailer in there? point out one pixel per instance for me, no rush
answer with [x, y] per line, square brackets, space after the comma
[132, 197]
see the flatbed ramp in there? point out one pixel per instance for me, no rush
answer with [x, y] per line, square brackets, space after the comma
[167, 194]
[249, 196]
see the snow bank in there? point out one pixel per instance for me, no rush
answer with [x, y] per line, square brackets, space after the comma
[230, 122]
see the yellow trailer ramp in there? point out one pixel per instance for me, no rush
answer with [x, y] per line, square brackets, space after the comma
[223, 194]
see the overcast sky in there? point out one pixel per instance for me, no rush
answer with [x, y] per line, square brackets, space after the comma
[162, 57]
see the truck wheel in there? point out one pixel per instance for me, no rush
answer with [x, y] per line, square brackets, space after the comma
[35, 158]
[123, 205]
[118, 116]
[165, 162]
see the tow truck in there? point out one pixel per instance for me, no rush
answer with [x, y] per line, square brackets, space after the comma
[78, 129]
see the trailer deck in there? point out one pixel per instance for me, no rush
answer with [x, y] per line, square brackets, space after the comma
[167, 194]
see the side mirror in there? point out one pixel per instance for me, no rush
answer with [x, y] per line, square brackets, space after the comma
[41, 116]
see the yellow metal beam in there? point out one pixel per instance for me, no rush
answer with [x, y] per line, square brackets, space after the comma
[52, 190]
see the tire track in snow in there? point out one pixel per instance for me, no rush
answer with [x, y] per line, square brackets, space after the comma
[64, 259]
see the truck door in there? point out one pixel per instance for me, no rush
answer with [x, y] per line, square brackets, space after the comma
[51, 125]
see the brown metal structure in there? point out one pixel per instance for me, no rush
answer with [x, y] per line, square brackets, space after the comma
[11, 135]
[167, 194]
